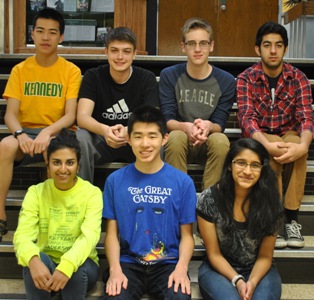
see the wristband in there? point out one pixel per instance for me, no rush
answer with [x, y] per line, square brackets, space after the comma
[236, 278]
[18, 132]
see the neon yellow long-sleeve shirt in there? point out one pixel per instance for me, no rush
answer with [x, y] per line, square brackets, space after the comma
[65, 225]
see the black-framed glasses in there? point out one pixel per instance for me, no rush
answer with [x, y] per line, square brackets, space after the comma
[242, 164]
[202, 44]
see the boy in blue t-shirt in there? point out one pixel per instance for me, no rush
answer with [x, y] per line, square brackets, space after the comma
[150, 207]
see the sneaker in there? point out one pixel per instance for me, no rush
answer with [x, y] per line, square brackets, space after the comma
[293, 235]
[280, 242]
[3, 228]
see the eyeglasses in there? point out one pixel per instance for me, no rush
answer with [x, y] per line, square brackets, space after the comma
[242, 164]
[192, 44]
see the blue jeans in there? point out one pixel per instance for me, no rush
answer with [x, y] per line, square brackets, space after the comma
[215, 286]
[76, 288]
[147, 279]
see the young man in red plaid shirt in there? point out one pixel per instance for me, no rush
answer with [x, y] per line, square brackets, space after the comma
[275, 108]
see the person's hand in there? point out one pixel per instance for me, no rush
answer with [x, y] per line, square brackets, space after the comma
[250, 288]
[25, 143]
[40, 143]
[203, 129]
[194, 133]
[115, 136]
[276, 149]
[40, 274]
[58, 281]
[116, 281]
[242, 289]
[292, 152]
[191, 131]
[179, 277]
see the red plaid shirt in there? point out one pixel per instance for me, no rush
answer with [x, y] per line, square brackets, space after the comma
[292, 109]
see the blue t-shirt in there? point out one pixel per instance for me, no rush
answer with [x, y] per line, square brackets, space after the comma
[149, 209]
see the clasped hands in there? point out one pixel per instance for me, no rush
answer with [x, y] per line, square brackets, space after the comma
[43, 279]
[37, 146]
[198, 132]
[115, 136]
[284, 153]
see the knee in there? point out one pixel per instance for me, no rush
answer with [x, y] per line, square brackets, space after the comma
[177, 140]
[8, 148]
[218, 143]
[83, 136]
[171, 294]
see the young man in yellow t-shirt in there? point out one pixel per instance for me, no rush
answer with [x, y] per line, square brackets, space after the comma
[41, 96]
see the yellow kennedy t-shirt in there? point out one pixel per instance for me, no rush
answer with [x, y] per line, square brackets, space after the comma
[42, 91]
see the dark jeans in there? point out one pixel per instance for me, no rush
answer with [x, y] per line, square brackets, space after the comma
[76, 288]
[147, 279]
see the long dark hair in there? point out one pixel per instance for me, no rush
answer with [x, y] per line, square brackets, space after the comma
[265, 207]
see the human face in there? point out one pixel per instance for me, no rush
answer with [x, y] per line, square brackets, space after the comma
[198, 55]
[120, 56]
[63, 167]
[46, 36]
[245, 177]
[271, 51]
[146, 141]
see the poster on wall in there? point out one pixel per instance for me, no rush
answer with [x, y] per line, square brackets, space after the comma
[56, 4]
[82, 5]
[37, 5]
[102, 6]
[79, 30]
[69, 5]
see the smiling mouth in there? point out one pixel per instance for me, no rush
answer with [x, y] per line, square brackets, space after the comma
[145, 153]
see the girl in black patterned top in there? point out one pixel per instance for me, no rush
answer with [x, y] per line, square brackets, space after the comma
[238, 220]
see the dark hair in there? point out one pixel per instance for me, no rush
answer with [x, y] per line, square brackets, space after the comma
[122, 34]
[271, 27]
[196, 23]
[147, 114]
[265, 207]
[65, 139]
[50, 13]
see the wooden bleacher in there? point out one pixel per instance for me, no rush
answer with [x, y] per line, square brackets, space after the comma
[295, 266]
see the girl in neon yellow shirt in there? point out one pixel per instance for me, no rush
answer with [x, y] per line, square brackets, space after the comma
[59, 227]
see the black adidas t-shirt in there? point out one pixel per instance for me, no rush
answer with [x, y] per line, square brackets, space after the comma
[115, 102]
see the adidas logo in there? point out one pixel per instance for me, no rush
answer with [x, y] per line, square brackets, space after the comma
[119, 111]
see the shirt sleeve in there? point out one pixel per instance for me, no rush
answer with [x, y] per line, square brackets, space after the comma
[108, 200]
[150, 90]
[246, 113]
[27, 229]
[88, 87]
[13, 86]
[188, 214]
[228, 97]
[304, 111]
[168, 102]
[74, 82]
[206, 207]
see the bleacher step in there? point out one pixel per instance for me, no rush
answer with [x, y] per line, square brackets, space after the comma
[6, 246]
[15, 198]
[15, 287]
